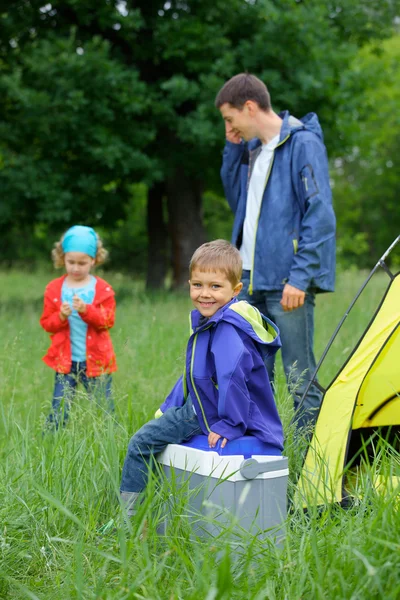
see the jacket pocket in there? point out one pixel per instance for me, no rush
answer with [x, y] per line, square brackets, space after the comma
[104, 347]
[308, 183]
[57, 343]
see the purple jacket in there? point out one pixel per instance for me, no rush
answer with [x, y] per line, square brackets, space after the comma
[226, 377]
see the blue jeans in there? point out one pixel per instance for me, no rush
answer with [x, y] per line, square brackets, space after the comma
[98, 388]
[297, 336]
[176, 425]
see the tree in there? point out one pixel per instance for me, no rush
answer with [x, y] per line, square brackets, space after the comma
[367, 176]
[70, 140]
[182, 52]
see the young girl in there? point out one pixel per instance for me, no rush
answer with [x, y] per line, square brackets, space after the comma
[79, 309]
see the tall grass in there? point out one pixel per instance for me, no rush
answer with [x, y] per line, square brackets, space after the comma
[57, 490]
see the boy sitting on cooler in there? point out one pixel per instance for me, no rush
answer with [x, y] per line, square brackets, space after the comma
[225, 390]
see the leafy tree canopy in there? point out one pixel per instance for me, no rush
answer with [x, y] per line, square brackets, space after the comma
[100, 94]
[368, 175]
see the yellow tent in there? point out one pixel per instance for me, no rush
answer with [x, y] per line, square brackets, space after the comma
[365, 394]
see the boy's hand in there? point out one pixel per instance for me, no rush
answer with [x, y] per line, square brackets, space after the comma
[213, 439]
[78, 304]
[65, 311]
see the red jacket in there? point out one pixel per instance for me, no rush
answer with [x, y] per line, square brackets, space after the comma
[99, 316]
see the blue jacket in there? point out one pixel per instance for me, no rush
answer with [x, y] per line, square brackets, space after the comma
[295, 239]
[226, 377]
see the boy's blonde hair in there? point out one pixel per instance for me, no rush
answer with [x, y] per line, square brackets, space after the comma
[57, 254]
[218, 255]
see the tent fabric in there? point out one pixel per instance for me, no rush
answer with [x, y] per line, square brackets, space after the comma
[379, 399]
[365, 393]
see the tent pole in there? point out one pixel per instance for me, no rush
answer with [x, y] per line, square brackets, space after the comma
[380, 263]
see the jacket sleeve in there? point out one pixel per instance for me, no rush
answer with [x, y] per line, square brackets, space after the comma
[233, 364]
[175, 398]
[100, 316]
[310, 175]
[231, 172]
[50, 319]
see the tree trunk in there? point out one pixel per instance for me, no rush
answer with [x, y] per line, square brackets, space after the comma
[185, 223]
[157, 236]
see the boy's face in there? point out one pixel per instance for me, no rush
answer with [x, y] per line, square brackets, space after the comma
[210, 290]
[78, 265]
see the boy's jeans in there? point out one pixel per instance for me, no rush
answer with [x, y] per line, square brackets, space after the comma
[297, 336]
[99, 388]
[176, 425]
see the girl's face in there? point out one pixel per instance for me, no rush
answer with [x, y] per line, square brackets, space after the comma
[78, 265]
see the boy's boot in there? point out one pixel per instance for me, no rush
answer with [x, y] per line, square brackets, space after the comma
[128, 501]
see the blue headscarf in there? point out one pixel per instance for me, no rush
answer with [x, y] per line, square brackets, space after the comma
[80, 238]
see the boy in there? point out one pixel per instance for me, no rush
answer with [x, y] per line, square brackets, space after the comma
[225, 390]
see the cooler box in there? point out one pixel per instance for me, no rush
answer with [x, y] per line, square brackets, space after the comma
[245, 483]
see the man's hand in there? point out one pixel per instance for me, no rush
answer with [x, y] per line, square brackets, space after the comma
[213, 439]
[292, 298]
[65, 311]
[231, 134]
[78, 304]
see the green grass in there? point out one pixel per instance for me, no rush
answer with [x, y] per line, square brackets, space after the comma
[56, 491]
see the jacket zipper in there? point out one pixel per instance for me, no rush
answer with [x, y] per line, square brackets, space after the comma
[250, 290]
[194, 387]
[215, 384]
[185, 390]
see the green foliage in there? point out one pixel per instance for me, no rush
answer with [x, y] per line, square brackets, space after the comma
[96, 96]
[127, 240]
[367, 180]
[70, 141]
[218, 218]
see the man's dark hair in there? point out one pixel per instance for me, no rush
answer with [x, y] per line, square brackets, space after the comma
[240, 88]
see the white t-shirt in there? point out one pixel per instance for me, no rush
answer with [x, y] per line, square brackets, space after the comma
[254, 199]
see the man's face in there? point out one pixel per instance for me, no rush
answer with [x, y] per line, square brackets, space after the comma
[238, 123]
[210, 290]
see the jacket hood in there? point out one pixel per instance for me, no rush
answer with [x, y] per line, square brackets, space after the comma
[291, 125]
[246, 317]
[309, 122]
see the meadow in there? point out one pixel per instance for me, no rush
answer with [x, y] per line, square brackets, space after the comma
[56, 491]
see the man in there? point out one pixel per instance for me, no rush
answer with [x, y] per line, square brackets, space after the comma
[276, 180]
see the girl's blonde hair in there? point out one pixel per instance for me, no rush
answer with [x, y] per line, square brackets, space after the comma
[57, 254]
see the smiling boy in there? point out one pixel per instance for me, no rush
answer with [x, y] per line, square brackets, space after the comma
[225, 390]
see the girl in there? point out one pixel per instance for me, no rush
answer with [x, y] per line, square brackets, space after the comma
[79, 309]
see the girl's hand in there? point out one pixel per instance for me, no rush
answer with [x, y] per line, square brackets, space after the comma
[78, 304]
[65, 311]
[213, 439]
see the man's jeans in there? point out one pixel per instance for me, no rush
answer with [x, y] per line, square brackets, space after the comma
[98, 388]
[176, 425]
[297, 335]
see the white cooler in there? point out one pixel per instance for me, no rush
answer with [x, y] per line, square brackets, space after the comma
[244, 484]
